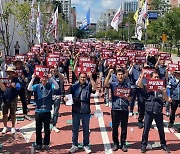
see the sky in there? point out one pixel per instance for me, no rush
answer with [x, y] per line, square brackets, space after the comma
[96, 7]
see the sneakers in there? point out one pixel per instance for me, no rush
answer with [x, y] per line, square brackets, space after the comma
[164, 147]
[87, 149]
[130, 114]
[4, 130]
[140, 125]
[124, 148]
[115, 147]
[170, 125]
[46, 147]
[143, 149]
[38, 147]
[13, 131]
[73, 149]
[55, 129]
[167, 114]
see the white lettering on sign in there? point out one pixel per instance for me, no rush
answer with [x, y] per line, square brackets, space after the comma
[52, 59]
[42, 69]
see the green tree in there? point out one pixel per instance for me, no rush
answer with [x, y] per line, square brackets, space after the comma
[8, 25]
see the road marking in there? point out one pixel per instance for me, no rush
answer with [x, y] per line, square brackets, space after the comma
[27, 131]
[167, 130]
[105, 138]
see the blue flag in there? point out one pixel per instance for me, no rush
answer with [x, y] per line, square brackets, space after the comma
[86, 20]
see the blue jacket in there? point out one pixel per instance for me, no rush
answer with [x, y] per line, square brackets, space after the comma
[119, 103]
[174, 88]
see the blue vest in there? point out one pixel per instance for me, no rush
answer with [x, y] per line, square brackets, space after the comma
[81, 97]
[174, 87]
[154, 102]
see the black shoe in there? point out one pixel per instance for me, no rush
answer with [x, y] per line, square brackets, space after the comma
[140, 125]
[124, 148]
[115, 147]
[143, 149]
[164, 147]
[38, 147]
[170, 125]
[47, 148]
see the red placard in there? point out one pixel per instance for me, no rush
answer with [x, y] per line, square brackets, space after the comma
[84, 59]
[165, 56]
[152, 51]
[30, 55]
[88, 66]
[18, 72]
[111, 61]
[53, 55]
[52, 61]
[140, 59]
[6, 82]
[179, 65]
[10, 58]
[122, 59]
[62, 59]
[147, 72]
[172, 67]
[20, 57]
[122, 92]
[82, 70]
[107, 53]
[155, 84]
[42, 71]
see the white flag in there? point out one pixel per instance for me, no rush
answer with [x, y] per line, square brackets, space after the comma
[55, 23]
[142, 15]
[117, 19]
[52, 27]
[138, 32]
[38, 26]
[32, 13]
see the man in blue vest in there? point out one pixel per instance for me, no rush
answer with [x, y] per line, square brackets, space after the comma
[153, 110]
[119, 111]
[81, 92]
[173, 95]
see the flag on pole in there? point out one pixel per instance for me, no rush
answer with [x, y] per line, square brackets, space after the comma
[52, 27]
[1, 8]
[32, 13]
[86, 20]
[141, 18]
[38, 25]
[118, 18]
[55, 23]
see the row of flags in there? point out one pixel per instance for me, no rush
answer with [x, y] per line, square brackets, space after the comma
[52, 27]
[140, 17]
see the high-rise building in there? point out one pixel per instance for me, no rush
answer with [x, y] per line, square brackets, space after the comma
[66, 9]
[73, 17]
[130, 6]
[105, 20]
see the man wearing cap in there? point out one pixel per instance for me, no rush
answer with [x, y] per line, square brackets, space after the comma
[173, 95]
[10, 100]
[43, 98]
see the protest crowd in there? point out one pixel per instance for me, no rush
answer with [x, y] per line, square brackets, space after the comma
[119, 72]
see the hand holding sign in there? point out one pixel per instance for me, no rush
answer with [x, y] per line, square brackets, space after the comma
[155, 85]
[42, 71]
